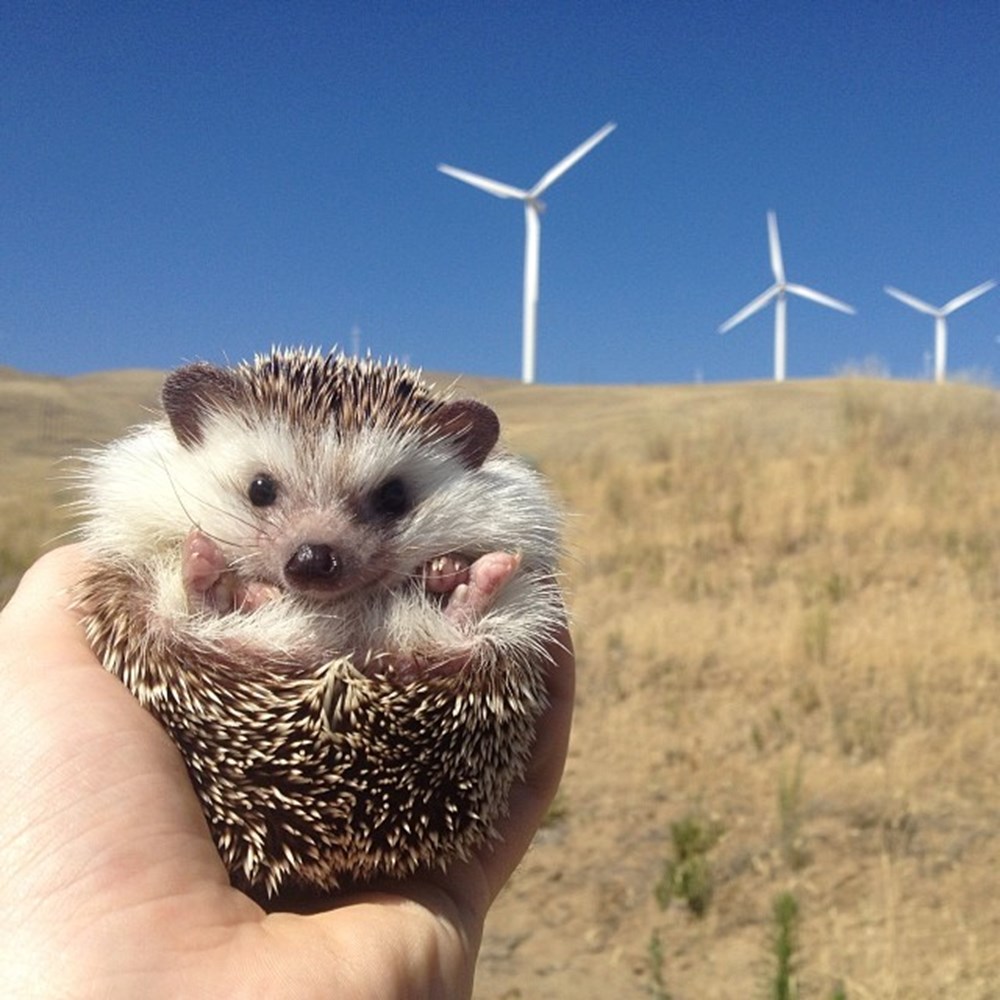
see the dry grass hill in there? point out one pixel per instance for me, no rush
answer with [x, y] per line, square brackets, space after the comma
[784, 776]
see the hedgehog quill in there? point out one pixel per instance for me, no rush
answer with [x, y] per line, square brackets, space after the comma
[334, 589]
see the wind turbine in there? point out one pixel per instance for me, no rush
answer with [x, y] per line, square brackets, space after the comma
[940, 321]
[533, 209]
[778, 291]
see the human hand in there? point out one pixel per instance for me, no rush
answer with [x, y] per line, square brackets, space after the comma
[110, 884]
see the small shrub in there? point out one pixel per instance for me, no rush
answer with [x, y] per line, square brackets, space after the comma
[688, 874]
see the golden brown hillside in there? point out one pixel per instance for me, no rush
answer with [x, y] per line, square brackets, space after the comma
[787, 605]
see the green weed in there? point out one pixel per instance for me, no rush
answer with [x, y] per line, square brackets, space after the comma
[790, 818]
[688, 874]
[785, 913]
[816, 633]
[658, 986]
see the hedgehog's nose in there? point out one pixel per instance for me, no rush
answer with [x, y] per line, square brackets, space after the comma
[313, 564]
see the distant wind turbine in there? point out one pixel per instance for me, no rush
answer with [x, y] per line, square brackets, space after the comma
[940, 321]
[533, 209]
[778, 292]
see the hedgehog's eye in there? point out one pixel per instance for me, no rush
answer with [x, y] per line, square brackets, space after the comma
[391, 499]
[263, 490]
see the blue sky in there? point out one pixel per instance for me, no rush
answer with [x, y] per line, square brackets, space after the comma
[201, 180]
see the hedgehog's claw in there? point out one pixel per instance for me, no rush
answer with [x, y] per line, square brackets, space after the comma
[468, 588]
[444, 573]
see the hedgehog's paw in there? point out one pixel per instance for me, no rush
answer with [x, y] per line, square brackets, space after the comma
[204, 572]
[468, 591]
[474, 596]
[211, 585]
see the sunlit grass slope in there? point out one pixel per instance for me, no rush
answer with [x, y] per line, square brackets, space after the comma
[787, 613]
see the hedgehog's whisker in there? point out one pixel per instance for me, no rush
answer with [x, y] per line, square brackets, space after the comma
[247, 523]
[192, 520]
[70, 534]
[240, 560]
[251, 524]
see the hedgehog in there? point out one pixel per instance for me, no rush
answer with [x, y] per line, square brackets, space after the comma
[336, 591]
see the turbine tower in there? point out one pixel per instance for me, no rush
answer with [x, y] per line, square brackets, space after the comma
[533, 209]
[940, 320]
[778, 291]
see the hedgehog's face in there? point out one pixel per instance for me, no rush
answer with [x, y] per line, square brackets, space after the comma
[326, 512]
[320, 517]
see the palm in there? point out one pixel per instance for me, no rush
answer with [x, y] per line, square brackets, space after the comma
[103, 833]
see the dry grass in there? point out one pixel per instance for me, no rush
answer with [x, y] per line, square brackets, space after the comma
[787, 605]
[787, 601]
[42, 420]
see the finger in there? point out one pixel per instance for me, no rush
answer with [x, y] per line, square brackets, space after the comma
[72, 734]
[376, 945]
[38, 615]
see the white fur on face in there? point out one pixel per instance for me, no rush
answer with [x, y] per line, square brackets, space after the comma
[147, 491]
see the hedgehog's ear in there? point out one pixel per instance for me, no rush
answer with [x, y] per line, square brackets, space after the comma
[191, 392]
[472, 427]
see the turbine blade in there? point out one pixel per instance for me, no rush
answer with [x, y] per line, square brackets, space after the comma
[551, 176]
[912, 301]
[823, 300]
[497, 188]
[973, 293]
[750, 308]
[774, 244]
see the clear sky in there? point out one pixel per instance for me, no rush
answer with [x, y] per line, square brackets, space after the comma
[201, 180]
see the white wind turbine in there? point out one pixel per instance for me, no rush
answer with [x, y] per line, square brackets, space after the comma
[533, 209]
[940, 321]
[778, 292]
